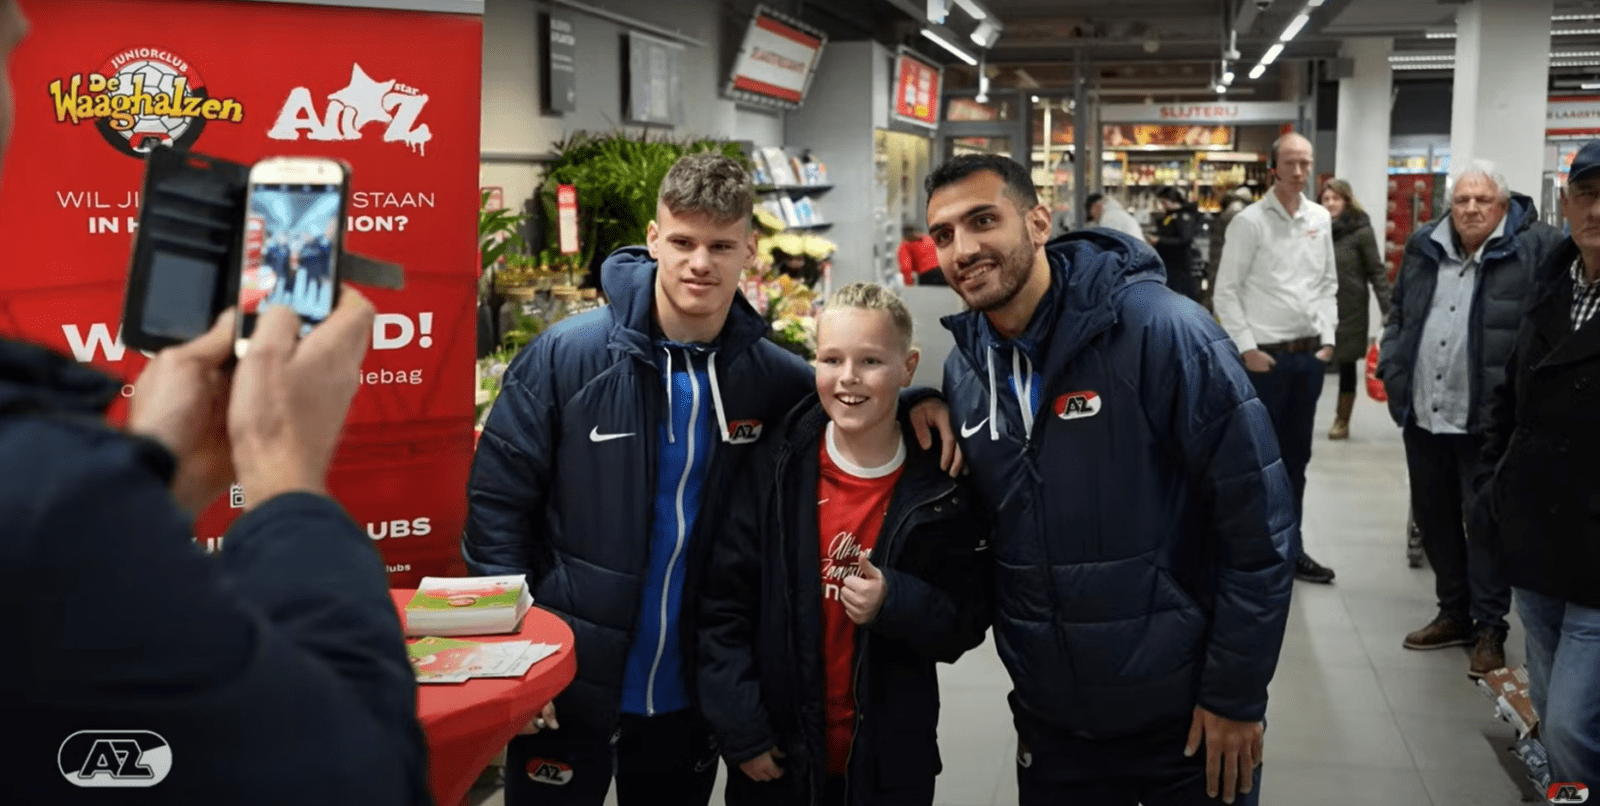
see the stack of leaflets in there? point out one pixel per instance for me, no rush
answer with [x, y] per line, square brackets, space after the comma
[451, 660]
[468, 605]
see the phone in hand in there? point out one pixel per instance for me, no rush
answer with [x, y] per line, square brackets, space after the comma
[294, 236]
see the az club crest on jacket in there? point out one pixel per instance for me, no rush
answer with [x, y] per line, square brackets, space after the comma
[114, 758]
[142, 98]
[1074, 405]
[744, 432]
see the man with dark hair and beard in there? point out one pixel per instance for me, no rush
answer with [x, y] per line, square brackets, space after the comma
[1142, 517]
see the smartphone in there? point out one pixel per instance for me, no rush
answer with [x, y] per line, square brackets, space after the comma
[293, 239]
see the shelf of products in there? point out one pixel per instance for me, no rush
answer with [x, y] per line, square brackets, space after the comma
[785, 185]
[1204, 176]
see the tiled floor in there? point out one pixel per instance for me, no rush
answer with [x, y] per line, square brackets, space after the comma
[1355, 719]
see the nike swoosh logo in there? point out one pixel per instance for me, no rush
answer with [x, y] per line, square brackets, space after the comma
[596, 436]
[967, 432]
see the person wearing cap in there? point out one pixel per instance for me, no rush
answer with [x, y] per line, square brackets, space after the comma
[1277, 297]
[1463, 286]
[1173, 240]
[1536, 512]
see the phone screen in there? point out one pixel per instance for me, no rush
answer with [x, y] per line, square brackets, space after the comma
[291, 250]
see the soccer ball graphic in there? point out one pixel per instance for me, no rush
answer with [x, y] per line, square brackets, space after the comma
[149, 131]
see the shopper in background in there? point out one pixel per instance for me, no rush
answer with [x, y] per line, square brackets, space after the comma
[1355, 251]
[1276, 295]
[602, 472]
[1540, 442]
[1141, 606]
[1233, 201]
[1463, 285]
[1106, 211]
[1176, 226]
[821, 622]
[919, 260]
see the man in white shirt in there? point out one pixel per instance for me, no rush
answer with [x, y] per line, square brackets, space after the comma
[1106, 211]
[1276, 297]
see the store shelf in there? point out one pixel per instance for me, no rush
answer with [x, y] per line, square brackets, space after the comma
[817, 225]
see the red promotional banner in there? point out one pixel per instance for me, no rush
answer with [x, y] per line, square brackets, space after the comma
[567, 218]
[100, 82]
[916, 85]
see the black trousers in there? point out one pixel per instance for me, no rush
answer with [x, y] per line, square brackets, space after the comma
[1289, 391]
[1466, 580]
[1055, 768]
[666, 760]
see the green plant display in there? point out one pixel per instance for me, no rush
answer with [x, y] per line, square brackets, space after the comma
[497, 232]
[617, 176]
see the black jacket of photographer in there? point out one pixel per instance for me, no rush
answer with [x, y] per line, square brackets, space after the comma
[1506, 280]
[1543, 501]
[762, 674]
[274, 673]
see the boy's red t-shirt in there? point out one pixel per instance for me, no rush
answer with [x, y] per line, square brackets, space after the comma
[851, 505]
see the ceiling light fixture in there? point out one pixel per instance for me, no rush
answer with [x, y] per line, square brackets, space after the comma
[941, 42]
[1271, 55]
[1255, 72]
[1590, 85]
[1221, 88]
[986, 34]
[1295, 25]
[973, 10]
[1227, 77]
[1440, 35]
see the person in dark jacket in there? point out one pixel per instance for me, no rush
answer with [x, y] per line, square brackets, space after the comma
[1176, 227]
[1143, 519]
[602, 473]
[274, 672]
[1463, 286]
[1233, 202]
[1540, 446]
[821, 623]
[1355, 254]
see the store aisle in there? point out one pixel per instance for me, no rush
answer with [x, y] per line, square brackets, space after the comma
[1355, 719]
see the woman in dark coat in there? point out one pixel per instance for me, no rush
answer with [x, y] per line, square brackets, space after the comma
[1355, 248]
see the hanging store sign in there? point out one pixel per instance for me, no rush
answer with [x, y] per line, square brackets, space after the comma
[776, 61]
[1213, 112]
[916, 89]
[1572, 115]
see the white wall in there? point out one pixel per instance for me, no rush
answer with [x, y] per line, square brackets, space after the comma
[1501, 77]
[513, 52]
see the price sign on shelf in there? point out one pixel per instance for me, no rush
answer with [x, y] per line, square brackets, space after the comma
[567, 218]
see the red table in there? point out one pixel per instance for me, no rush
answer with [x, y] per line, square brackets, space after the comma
[468, 724]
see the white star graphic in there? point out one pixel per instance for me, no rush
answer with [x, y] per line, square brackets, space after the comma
[365, 97]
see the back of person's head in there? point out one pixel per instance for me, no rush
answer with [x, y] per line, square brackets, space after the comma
[708, 184]
[1093, 199]
[1019, 183]
[1171, 194]
[875, 297]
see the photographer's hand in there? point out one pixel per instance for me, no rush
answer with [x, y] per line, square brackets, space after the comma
[291, 396]
[181, 401]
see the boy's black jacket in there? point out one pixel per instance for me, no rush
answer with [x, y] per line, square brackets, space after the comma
[761, 668]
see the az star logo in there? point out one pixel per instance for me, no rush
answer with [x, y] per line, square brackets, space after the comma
[350, 110]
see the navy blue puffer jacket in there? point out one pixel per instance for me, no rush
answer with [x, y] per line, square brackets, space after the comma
[553, 498]
[1143, 531]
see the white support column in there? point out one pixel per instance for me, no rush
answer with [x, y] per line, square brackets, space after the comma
[1361, 154]
[1502, 74]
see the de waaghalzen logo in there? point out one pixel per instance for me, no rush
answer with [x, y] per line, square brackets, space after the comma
[141, 98]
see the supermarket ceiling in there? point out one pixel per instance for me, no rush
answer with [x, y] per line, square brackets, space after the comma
[1175, 48]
